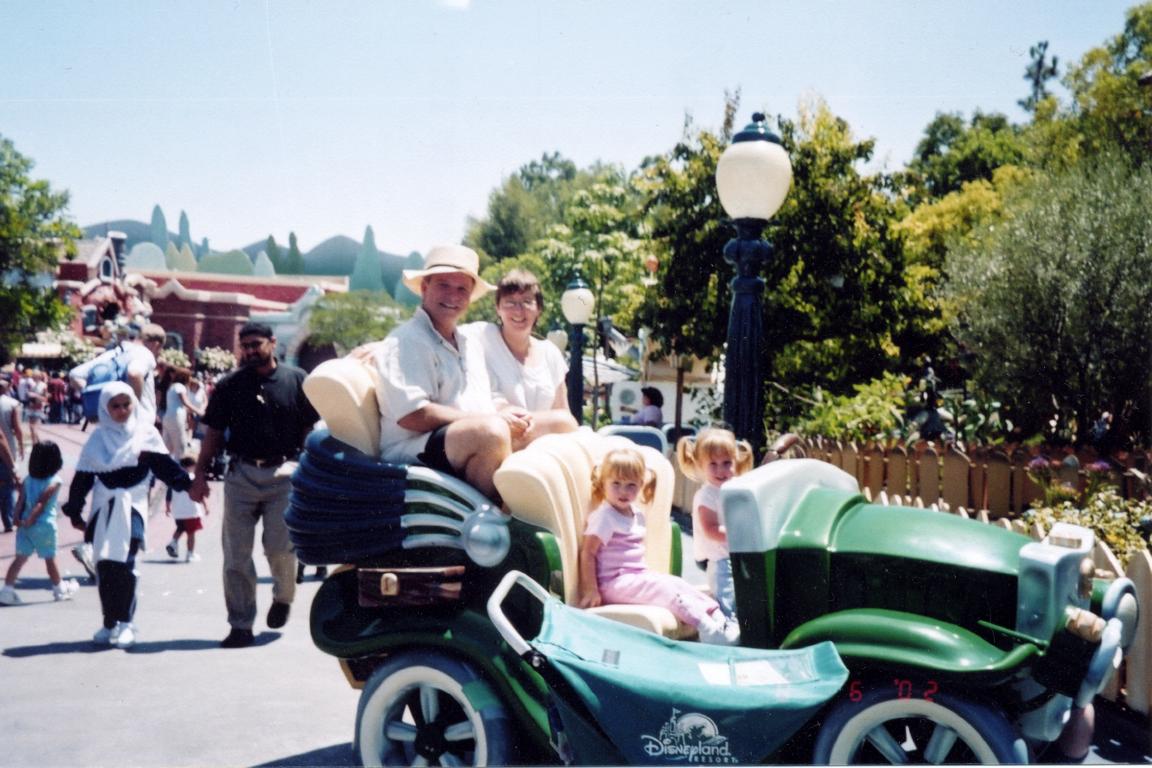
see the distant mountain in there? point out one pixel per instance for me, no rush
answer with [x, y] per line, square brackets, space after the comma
[334, 256]
[137, 231]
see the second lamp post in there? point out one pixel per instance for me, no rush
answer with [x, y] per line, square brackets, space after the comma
[577, 304]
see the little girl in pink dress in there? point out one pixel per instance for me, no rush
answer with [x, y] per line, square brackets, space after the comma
[612, 567]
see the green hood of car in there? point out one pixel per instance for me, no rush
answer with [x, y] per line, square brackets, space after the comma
[842, 523]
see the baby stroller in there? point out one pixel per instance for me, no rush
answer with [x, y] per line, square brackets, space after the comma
[623, 696]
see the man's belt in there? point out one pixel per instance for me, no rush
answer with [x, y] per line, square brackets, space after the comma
[262, 463]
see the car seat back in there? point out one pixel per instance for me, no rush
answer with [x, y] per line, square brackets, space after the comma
[549, 485]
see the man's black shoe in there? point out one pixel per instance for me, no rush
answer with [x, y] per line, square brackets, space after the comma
[237, 638]
[278, 615]
[321, 572]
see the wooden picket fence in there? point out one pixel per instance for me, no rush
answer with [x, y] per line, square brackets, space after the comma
[991, 487]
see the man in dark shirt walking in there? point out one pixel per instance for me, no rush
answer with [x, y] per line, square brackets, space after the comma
[259, 413]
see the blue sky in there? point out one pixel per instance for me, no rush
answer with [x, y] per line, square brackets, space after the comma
[262, 116]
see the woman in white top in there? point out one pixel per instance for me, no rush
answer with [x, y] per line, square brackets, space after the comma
[177, 406]
[527, 373]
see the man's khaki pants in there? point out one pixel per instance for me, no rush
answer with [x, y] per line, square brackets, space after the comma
[255, 494]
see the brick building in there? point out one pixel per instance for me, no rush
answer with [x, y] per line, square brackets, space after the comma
[197, 309]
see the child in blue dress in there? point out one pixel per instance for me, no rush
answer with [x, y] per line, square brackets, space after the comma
[35, 521]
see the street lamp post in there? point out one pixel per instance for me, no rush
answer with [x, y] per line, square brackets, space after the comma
[752, 176]
[577, 304]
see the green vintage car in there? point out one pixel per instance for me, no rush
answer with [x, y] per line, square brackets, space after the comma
[963, 642]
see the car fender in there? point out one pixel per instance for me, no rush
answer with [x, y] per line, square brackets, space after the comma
[895, 639]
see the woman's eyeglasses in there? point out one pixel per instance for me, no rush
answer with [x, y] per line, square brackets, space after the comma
[526, 304]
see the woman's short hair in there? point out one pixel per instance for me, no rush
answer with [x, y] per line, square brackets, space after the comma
[520, 281]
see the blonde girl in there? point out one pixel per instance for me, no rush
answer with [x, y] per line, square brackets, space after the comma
[612, 567]
[712, 458]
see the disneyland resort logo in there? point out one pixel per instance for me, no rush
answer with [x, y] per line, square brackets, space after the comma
[691, 737]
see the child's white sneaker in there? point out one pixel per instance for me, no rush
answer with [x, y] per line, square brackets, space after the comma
[716, 631]
[123, 635]
[103, 636]
[8, 596]
[64, 590]
[192, 557]
[731, 631]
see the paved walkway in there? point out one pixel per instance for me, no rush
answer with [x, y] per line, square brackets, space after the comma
[176, 698]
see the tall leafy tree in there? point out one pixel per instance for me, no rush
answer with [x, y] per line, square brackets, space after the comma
[185, 237]
[687, 308]
[274, 254]
[836, 284]
[1110, 107]
[1053, 300]
[294, 261]
[953, 152]
[523, 207]
[366, 272]
[34, 230]
[159, 228]
[348, 320]
[1039, 71]
[599, 240]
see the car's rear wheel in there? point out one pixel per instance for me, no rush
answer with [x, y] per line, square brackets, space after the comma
[430, 709]
[881, 727]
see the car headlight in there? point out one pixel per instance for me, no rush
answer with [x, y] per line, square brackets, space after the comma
[486, 538]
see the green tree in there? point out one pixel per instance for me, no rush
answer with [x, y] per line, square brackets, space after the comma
[1038, 72]
[274, 255]
[159, 228]
[523, 207]
[1110, 107]
[366, 272]
[599, 239]
[185, 231]
[348, 320]
[836, 284]
[185, 261]
[687, 308]
[171, 255]
[234, 262]
[1053, 301]
[293, 263]
[952, 153]
[34, 231]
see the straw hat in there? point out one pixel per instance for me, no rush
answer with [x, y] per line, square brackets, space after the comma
[444, 259]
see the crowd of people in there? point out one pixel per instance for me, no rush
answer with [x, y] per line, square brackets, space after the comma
[458, 397]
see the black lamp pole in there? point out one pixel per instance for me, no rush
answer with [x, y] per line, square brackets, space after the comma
[576, 372]
[743, 368]
[753, 176]
[576, 304]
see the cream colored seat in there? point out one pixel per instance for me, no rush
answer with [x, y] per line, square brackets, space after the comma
[343, 392]
[549, 485]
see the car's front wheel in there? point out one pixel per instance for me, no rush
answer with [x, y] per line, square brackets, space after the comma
[430, 709]
[885, 725]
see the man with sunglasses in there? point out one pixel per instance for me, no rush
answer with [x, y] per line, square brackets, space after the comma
[260, 415]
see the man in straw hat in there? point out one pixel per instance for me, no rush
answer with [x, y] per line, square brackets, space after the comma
[435, 399]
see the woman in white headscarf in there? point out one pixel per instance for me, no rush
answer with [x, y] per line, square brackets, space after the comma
[115, 465]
